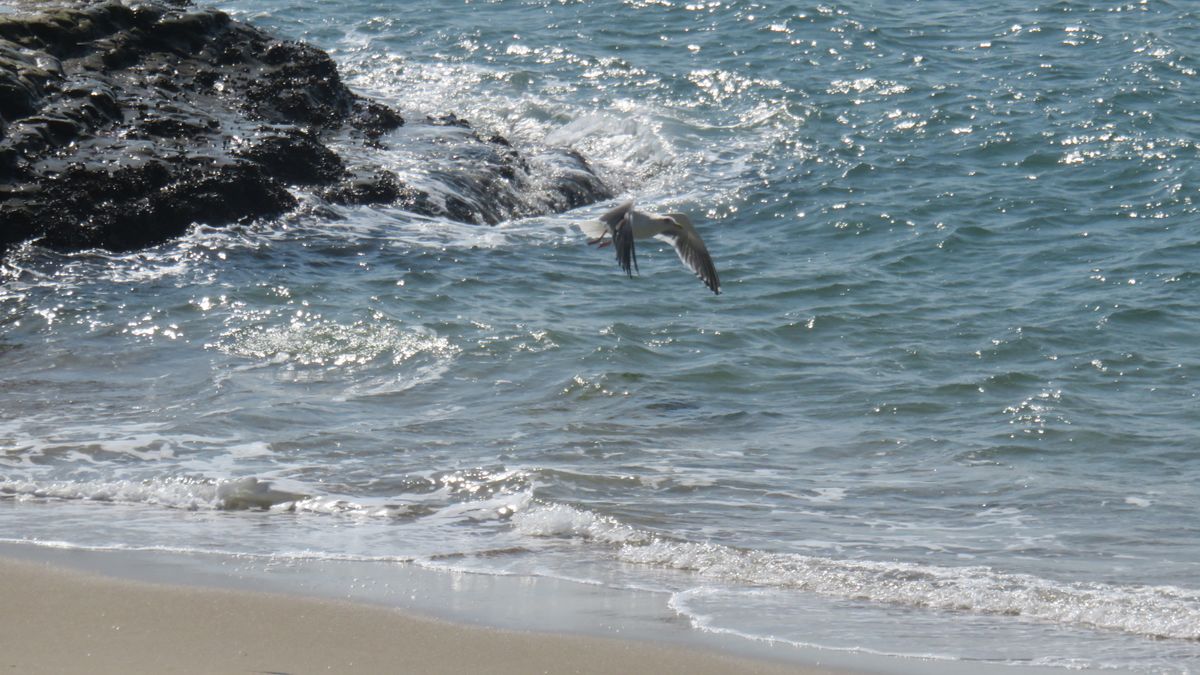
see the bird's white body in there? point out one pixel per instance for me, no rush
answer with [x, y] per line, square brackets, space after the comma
[624, 224]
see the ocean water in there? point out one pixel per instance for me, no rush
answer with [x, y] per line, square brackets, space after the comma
[947, 405]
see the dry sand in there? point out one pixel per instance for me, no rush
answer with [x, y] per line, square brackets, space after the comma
[61, 621]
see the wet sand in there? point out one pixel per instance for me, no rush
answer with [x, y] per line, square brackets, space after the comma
[58, 620]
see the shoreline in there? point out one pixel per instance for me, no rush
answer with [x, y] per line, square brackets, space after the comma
[64, 603]
[66, 618]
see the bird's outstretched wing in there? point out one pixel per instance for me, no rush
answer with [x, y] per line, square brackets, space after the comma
[622, 235]
[616, 215]
[692, 251]
[605, 224]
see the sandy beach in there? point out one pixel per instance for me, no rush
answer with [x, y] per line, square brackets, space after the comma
[58, 620]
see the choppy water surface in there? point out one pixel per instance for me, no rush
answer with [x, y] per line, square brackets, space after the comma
[946, 405]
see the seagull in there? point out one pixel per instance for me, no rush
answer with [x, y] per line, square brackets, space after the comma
[625, 223]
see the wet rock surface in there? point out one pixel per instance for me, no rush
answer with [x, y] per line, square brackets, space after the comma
[123, 125]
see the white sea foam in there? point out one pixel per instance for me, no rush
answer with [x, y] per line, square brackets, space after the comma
[181, 493]
[174, 492]
[463, 496]
[1157, 611]
[554, 520]
[418, 356]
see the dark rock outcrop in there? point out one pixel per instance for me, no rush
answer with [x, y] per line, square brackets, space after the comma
[122, 125]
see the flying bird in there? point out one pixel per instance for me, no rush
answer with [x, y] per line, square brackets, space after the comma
[624, 224]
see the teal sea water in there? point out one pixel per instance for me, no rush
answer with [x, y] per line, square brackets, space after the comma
[947, 405]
